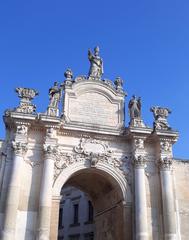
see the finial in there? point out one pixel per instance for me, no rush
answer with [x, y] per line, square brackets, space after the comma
[26, 95]
[160, 118]
[68, 74]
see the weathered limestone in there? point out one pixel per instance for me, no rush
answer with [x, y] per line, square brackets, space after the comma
[169, 210]
[169, 214]
[12, 200]
[139, 160]
[45, 201]
[88, 146]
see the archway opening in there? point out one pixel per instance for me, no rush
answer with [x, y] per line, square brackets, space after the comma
[102, 191]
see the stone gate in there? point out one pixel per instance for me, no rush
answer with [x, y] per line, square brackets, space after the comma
[126, 170]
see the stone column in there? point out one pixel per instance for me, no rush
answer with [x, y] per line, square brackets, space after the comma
[45, 201]
[13, 191]
[2, 169]
[169, 217]
[141, 227]
[140, 199]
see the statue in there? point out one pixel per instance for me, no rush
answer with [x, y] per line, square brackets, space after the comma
[54, 96]
[135, 107]
[119, 84]
[135, 112]
[96, 67]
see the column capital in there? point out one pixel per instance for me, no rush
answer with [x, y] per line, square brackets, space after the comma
[165, 163]
[51, 131]
[20, 148]
[138, 143]
[139, 161]
[50, 150]
[21, 129]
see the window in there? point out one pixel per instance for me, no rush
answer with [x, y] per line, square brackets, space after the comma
[90, 212]
[89, 236]
[76, 214]
[60, 222]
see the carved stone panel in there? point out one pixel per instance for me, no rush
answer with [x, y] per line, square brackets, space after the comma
[94, 105]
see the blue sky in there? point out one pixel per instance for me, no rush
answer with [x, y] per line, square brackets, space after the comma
[145, 42]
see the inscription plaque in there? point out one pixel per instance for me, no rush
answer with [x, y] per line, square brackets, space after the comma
[93, 108]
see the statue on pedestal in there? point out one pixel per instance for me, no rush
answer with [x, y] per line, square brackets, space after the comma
[54, 96]
[135, 112]
[135, 107]
[96, 67]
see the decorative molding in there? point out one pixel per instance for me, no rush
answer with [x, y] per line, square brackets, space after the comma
[50, 150]
[21, 130]
[139, 161]
[32, 163]
[50, 132]
[91, 152]
[165, 146]
[165, 163]
[139, 143]
[19, 148]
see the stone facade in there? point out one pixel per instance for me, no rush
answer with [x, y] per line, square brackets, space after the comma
[76, 215]
[137, 188]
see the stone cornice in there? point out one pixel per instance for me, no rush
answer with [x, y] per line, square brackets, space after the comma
[83, 80]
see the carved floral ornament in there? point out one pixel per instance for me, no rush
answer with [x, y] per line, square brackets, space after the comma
[139, 143]
[21, 130]
[19, 148]
[165, 163]
[165, 146]
[90, 152]
[139, 161]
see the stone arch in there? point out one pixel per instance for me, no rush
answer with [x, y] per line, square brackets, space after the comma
[113, 194]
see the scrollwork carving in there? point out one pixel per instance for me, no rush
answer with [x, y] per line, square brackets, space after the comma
[83, 154]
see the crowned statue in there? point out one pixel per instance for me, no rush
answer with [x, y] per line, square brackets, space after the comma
[96, 67]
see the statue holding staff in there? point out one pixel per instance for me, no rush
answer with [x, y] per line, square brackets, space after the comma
[96, 67]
